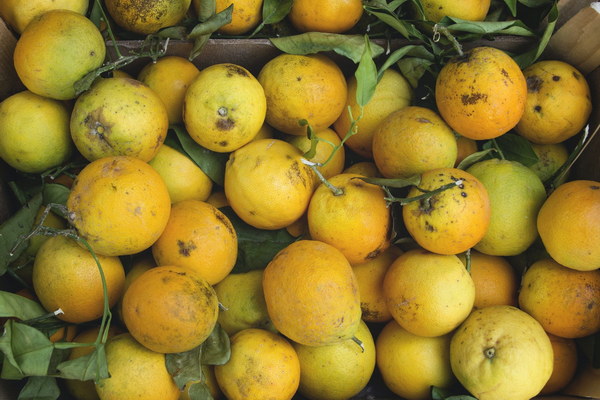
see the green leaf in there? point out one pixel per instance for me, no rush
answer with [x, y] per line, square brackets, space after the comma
[216, 348]
[273, 11]
[40, 388]
[397, 183]
[12, 229]
[413, 69]
[445, 394]
[350, 46]
[91, 366]
[366, 76]
[96, 14]
[212, 24]
[314, 140]
[55, 193]
[535, 3]
[14, 305]
[512, 6]
[526, 59]
[26, 348]
[473, 158]
[206, 9]
[418, 51]
[198, 45]
[186, 366]
[212, 163]
[199, 391]
[256, 247]
[487, 27]
[515, 148]
[387, 14]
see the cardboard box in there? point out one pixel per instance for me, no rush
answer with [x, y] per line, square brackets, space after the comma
[252, 54]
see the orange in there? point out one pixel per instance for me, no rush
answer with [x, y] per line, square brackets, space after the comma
[356, 220]
[267, 184]
[302, 87]
[170, 77]
[120, 205]
[263, 365]
[465, 147]
[327, 141]
[246, 15]
[311, 293]
[565, 364]
[411, 364]
[471, 10]
[170, 309]
[135, 372]
[145, 18]
[413, 140]
[200, 237]
[140, 263]
[550, 158]
[366, 168]
[66, 276]
[217, 198]
[57, 49]
[482, 93]
[34, 132]
[568, 224]
[563, 300]
[558, 102]
[428, 294]
[18, 13]
[496, 281]
[219, 118]
[453, 220]
[501, 352]
[333, 16]
[370, 276]
[119, 117]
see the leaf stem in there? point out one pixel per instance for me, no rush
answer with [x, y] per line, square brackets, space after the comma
[314, 166]
[437, 29]
[427, 194]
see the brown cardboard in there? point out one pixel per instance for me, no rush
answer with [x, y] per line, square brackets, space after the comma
[9, 81]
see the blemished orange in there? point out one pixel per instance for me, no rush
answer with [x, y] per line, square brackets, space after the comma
[465, 147]
[267, 184]
[356, 221]
[302, 87]
[263, 365]
[66, 276]
[144, 18]
[170, 309]
[481, 94]
[135, 372]
[412, 364]
[333, 16]
[327, 141]
[413, 140]
[169, 77]
[200, 237]
[311, 293]
[428, 294]
[370, 276]
[58, 48]
[558, 102]
[120, 205]
[550, 158]
[18, 14]
[496, 281]
[246, 15]
[471, 10]
[453, 220]
[569, 224]
[563, 300]
[565, 364]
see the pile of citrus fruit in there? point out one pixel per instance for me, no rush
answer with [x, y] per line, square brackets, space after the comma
[406, 247]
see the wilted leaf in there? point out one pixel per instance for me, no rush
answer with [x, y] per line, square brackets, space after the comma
[88, 367]
[186, 366]
[40, 388]
[199, 391]
[514, 27]
[55, 193]
[216, 348]
[413, 69]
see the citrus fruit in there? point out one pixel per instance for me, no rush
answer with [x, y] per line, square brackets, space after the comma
[496, 281]
[356, 220]
[451, 221]
[51, 220]
[411, 364]
[413, 140]
[311, 294]
[120, 205]
[185, 180]
[558, 102]
[501, 352]
[263, 365]
[18, 14]
[516, 195]
[481, 94]
[465, 147]
[244, 301]
[140, 263]
[200, 237]
[221, 119]
[119, 117]
[392, 93]
[338, 371]
[328, 140]
[66, 276]
[333, 16]
[135, 372]
[370, 276]
[565, 364]
[366, 168]
[563, 300]
[170, 309]
[428, 294]
[267, 184]
[58, 48]
[145, 18]
[34, 132]
[302, 87]
[170, 77]
[550, 158]
[471, 10]
[246, 15]
[568, 224]
[217, 198]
